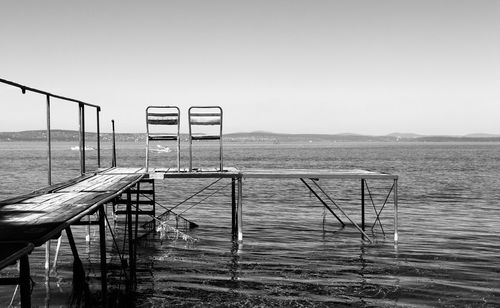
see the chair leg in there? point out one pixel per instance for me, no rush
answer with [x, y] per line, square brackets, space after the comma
[178, 155]
[147, 155]
[190, 154]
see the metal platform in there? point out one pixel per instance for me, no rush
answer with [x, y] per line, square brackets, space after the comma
[309, 177]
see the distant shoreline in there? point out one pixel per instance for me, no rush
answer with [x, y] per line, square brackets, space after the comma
[73, 136]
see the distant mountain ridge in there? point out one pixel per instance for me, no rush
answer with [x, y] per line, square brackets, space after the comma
[257, 136]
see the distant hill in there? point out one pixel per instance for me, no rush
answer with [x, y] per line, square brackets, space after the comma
[257, 136]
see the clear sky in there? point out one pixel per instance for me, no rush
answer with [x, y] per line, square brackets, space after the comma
[367, 67]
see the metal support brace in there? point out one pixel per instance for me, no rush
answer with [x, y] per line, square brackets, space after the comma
[378, 213]
[344, 213]
[322, 201]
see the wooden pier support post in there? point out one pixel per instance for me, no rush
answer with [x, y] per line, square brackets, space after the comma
[396, 236]
[104, 269]
[239, 212]
[24, 281]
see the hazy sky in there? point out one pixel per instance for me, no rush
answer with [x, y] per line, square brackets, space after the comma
[368, 67]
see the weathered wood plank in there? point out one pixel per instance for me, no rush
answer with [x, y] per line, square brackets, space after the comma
[36, 218]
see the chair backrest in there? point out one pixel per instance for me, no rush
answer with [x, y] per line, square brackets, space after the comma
[158, 117]
[162, 115]
[205, 116]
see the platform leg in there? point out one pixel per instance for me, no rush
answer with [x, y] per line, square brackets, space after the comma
[363, 204]
[24, 277]
[87, 236]
[104, 269]
[239, 212]
[396, 236]
[72, 244]
[233, 207]
[47, 259]
[130, 239]
[56, 256]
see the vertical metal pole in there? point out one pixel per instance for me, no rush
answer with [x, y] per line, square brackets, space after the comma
[233, 206]
[363, 204]
[190, 142]
[98, 138]
[130, 239]
[104, 270]
[113, 158]
[49, 144]
[154, 203]
[82, 138]
[24, 277]
[396, 236]
[220, 141]
[49, 180]
[138, 196]
[178, 140]
[147, 138]
[239, 212]
[82, 159]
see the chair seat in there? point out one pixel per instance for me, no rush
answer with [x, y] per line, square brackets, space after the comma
[205, 137]
[162, 137]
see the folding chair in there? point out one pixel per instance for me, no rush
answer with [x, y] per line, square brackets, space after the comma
[163, 116]
[204, 116]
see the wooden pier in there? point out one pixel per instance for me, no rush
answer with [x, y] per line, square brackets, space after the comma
[31, 220]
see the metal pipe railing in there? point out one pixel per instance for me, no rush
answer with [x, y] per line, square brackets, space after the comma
[81, 109]
[49, 144]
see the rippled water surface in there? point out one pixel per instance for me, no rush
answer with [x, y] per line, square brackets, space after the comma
[294, 253]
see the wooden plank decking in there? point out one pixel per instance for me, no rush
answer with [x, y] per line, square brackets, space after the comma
[36, 218]
[33, 219]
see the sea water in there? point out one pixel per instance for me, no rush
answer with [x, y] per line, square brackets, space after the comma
[294, 253]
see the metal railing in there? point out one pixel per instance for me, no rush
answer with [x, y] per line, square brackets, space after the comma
[81, 111]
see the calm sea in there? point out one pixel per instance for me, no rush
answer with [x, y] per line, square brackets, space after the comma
[294, 254]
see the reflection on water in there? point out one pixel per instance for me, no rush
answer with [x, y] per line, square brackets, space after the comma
[448, 254]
